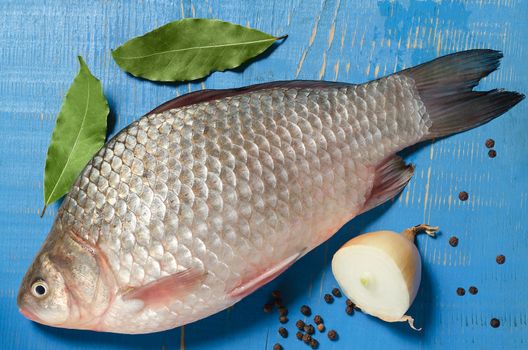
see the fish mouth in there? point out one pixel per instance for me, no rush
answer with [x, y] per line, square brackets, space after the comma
[30, 315]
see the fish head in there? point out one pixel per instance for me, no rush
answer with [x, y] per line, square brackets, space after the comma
[67, 285]
[43, 295]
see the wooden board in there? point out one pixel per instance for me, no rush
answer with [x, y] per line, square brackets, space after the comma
[350, 41]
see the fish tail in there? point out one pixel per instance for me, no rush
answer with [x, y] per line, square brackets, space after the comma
[445, 86]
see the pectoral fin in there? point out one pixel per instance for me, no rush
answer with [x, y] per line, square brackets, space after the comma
[167, 289]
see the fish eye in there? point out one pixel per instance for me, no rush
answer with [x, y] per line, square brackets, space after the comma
[39, 289]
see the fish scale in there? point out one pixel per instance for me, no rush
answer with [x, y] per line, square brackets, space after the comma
[210, 196]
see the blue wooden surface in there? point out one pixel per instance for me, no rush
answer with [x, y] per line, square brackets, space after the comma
[351, 41]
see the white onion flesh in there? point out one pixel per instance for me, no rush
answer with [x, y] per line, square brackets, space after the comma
[372, 279]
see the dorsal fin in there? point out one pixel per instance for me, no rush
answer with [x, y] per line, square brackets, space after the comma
[211, 95]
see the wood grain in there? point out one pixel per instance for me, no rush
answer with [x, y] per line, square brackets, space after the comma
[351, 41]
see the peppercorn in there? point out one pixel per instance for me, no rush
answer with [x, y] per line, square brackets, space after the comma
[453, 241]
[460, 291]
[349, 310]
[300, 325]
[283, 332]
[283, 311]
[307, 338]
[276, 294]
[492, 153]
[501, 259]
[283, 319]
[349, 303]
[490, 143]
[305, 310]
[463, 196]
[332, 335]
[309, 329]
[318, 319]
[328, 298]
[278, 302]
[314, 344]
[321, 327]
[277, 347]
[336, 292]
[299, 335]
[268, 307]
[473, 290]
[495, 323]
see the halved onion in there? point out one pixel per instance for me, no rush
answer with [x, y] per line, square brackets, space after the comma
[381, 271]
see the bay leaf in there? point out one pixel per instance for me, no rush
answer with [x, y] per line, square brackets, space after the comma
[79, 132]
[190, 49]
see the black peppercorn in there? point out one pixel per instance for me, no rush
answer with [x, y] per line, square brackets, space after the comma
[332, 335]
[307, 338]
[283, 311]
[492, 153]
[329, 298]
[453, 241]
[283, 332]
[276, 294]
[500, 259]
[349, 310]
[299, 335]
[495, 323]
[268, 307]
[473, 290]
[336, 292]
[318, 319]
[490, 143]
[463, 196]
[283, 319]
[349, 303]
[277, 347]
[309, 329]
[300, 325]
[305, 310]
[314, 344]
[461, 291]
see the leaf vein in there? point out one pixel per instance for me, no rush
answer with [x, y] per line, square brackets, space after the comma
[198, 48]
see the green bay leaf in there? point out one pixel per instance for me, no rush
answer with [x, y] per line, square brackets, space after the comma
[190, 49]
[79, 132]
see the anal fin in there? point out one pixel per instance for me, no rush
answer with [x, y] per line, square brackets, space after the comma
[391, 176]
[166, 289]
[253, 283]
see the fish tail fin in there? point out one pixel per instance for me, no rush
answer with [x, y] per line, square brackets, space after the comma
[445, 86]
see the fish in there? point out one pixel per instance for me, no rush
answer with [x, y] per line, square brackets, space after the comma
[212, 195]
